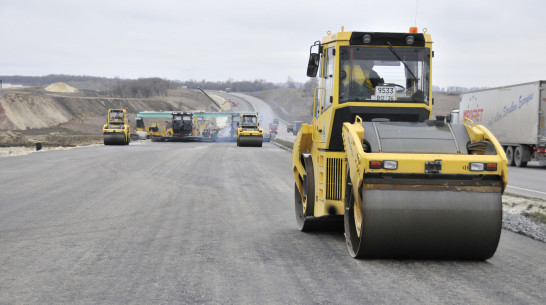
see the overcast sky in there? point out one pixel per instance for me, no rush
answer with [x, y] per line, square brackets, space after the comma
[477, 43]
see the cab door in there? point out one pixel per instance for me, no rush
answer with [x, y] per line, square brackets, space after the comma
[323, 111]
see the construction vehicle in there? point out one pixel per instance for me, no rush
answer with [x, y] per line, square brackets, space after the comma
[189, 126]
[145, 132]
[515, 114]
[182, 124]
[202, 126]
[117, 130]
[406, 186]
[156, 130]
[180, 129]
[249, 132]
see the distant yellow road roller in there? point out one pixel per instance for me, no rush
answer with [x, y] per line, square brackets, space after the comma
[404, 185]
[249, 132]
[117, 130]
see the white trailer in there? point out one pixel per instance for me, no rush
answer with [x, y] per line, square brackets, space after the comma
[515, 115]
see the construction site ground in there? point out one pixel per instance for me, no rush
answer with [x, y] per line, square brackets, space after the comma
[210, 223]
[83, 127]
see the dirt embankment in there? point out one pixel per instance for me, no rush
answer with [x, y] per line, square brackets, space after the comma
[288, 103]
[36, 113]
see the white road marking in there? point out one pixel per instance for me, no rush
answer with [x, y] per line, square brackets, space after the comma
[520, 188]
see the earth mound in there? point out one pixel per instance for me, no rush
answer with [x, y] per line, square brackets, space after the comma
[60, 87]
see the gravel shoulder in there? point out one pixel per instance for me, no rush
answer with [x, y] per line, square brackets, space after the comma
[525, 216]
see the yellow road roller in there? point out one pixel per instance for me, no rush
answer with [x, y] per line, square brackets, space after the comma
[404, 185]
[117, 130]
[249, 132]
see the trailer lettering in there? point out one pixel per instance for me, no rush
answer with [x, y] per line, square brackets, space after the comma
[496, 118]
[510, 109]
[524, 101]
[474, 114]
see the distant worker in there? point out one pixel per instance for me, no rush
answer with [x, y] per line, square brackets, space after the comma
[249, 120]
[360, 79]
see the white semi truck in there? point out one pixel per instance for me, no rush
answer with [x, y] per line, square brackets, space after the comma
[516, 116]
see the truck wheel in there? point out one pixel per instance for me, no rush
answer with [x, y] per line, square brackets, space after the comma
[353, 229]
[310, 172]
[303, 221]
[519, 156]
[510, 155]
[305, 217]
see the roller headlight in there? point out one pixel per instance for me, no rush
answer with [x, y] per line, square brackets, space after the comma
[389, 164]
[478, 166]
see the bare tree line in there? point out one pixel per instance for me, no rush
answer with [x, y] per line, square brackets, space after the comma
[235, 86]
[141, 88]
[116, 87]
[151, 87]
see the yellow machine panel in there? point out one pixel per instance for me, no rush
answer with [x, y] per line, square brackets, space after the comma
[404, 185]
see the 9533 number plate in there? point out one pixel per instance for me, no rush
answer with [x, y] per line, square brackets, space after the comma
[385, 93]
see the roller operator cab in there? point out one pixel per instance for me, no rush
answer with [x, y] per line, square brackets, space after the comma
[405, 186]
[117, 130]
[249, 132]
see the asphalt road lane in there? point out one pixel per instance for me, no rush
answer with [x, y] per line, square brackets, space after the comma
[160, 223]
[528, 181]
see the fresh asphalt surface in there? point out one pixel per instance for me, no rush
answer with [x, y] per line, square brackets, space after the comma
[162, 223]
[528, 181]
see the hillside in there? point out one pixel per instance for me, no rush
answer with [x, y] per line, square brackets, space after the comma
[290, 104]
[35, 113]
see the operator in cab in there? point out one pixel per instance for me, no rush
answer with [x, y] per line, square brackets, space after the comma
[359, 79]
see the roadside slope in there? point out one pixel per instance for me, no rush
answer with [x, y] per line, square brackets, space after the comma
[33, 109]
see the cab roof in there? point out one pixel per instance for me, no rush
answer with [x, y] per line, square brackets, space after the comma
[378, 38]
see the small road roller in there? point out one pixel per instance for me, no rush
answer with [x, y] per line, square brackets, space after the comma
[249, 132]
[117, 130]
[405, 186]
